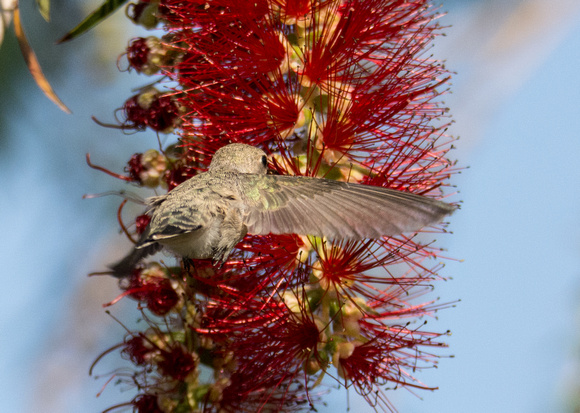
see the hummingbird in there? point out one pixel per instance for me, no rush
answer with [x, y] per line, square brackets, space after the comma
[209, 214]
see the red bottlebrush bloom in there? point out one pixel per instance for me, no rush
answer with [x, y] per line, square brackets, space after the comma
[177, 363]
[163, 114]
[285, 346]
[340, 89]
[387, 360]
[293, 11]
[178, 175]
[275, 351]
[267, 261]
[151, 109]
[135, 114]
[138, 350]
[135, 167]
[194, 13]
[141, 223]
[154, 169]
[146, 403]
[288, 396]
[152, 288]
[138, 53]
[149, 55]
[159, 296]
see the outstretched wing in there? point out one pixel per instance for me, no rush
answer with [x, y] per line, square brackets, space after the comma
[339, 210]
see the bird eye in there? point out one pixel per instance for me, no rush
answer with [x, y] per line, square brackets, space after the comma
[265, 161]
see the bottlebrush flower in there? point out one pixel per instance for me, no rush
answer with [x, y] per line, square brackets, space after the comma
[151, 109]
[147, 55]
[341, 89]
[274, 351]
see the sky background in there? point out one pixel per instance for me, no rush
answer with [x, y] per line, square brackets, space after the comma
[515, 333]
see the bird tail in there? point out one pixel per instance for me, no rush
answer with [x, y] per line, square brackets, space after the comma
[125, 267]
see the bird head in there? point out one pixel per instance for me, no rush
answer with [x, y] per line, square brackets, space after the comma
[239, 157]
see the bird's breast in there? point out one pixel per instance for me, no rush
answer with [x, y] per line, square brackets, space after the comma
[198, 244]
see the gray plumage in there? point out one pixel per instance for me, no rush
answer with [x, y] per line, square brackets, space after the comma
[206, 216]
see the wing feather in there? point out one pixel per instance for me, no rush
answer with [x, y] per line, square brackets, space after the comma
[178, 212]
[321, 207]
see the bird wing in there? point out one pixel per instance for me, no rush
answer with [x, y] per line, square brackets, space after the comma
[334, 209]
[175, 213]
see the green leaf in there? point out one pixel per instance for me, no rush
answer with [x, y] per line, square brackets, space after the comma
[44, 8]
[107, 8]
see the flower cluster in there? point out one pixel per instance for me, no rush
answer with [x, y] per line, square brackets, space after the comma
[341, 89]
